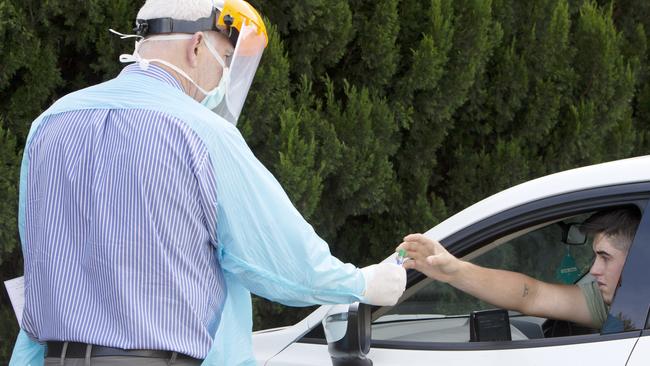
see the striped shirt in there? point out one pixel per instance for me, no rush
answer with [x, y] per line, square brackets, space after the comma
[121, 231]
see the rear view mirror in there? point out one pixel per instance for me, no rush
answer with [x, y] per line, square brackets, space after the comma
[347, 330]
[572, 235]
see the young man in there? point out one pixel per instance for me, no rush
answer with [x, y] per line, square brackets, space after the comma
[146, 221]
[612, 232]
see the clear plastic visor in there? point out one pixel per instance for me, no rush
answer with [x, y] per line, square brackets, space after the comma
[245, 59]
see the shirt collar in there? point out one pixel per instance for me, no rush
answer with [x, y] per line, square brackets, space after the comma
[153, 71]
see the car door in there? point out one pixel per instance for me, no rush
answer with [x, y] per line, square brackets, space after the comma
[641, 353]
[441, 336]
[638, 294]
[391, 329]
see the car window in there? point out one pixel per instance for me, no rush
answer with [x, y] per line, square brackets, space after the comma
[439, 313]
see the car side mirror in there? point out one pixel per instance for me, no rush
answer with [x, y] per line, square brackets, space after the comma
[347, 330]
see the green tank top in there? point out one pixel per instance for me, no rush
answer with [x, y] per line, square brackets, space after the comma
[595, 302]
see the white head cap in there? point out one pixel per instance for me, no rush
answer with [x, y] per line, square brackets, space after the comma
[177, 9]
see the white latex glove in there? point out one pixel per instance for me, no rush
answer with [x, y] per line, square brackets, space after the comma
[385, 283]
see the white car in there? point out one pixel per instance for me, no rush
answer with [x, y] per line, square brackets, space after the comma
[528, 228]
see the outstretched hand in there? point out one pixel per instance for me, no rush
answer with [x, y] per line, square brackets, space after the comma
[429, 257]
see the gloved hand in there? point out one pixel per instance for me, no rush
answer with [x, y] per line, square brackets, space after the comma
[385, 283]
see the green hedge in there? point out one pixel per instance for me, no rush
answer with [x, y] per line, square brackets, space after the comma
[379, 117]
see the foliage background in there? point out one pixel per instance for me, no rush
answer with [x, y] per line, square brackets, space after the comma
[379, 117]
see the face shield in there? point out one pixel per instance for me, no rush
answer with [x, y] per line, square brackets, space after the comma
[244, 28]
[245, 60]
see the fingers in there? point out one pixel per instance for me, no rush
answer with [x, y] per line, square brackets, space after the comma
[412, 238]
[409, 264]
[418, 246]
[417, 253]
[417, 237]
[432, 260]
[408, 246]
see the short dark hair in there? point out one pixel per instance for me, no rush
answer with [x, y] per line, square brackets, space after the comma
[619, 223]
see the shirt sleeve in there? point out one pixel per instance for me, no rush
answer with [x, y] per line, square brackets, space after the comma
[595, 302]
[261, 237]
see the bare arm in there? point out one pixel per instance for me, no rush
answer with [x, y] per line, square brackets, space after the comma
[505, 289]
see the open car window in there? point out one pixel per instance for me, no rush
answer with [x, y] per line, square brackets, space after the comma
[437, 312]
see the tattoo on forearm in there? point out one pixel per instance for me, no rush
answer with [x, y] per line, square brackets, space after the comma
[525, 291]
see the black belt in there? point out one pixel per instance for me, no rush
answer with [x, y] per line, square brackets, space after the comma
[78, 350]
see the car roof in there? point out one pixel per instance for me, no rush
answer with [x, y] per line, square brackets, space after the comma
[633, 170]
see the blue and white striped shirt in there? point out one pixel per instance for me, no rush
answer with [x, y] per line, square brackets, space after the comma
[120, 236]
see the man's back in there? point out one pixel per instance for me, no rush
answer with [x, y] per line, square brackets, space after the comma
[119, 232]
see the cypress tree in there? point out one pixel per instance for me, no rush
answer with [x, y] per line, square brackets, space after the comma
[317, 32]
[642, 120]
[373, 55]
[597, 124]
[445, 66]
[632, 18]
[364, 178]
[29, 73]
[296, 167]
[549, 55]
[10, 259]
[379, 118]
[513, 106]
[9, 177]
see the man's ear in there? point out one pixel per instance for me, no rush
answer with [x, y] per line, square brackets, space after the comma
[192, 49]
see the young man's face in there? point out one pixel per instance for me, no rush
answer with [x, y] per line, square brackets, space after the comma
[607, 266]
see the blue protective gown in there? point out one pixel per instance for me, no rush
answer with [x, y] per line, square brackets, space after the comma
[264, 245]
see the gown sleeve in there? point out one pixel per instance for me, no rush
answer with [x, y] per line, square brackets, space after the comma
[262, 238]
[27, 351]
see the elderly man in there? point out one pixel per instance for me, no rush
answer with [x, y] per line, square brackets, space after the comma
[145, 219]
[612, 232]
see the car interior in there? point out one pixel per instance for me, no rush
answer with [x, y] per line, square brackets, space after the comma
[555, 251]
[434, 315]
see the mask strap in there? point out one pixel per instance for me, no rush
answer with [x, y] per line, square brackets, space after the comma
[214, 53]
[144, 62]
[173, 67]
